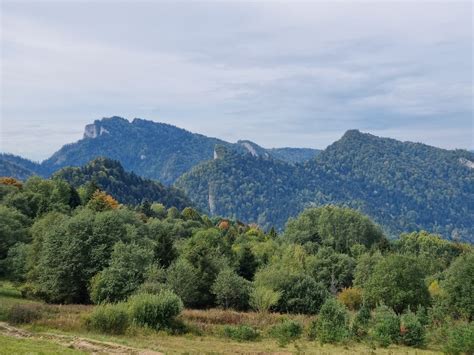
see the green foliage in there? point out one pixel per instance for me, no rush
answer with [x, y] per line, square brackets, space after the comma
[412, 332]
[231, 290]
[155, 311]
[240, 333]
[13, 229]
[123, 276]
[460, 339]
[302, 294]
[109, 318]
[206, 251]
[262, 298]
[334, 270]
[358, 171]
[435, 253]
[398, 282]
[286, 332]
[385, 327]
[364, 268]
[16, 262]
[247, 263]
[163, 249]
[332, 324]
[361, 321]
[339, 228]
[109, 175]
[459, 286]
[183, 279]
[61, 275]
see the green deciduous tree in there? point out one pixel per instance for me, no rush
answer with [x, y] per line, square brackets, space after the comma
[398, 282]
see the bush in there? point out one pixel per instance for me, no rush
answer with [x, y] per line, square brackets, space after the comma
[385, 328]
[460, 339]
[412, 332]
[262, 298]
[397, 281]
[351, 297]
[332, 325]
[155, 311]
[109, 318]
[23, 313]
[459, 287]
[287, 331]
[231, 290]
[302, 294]
[183, 279]
[360, 324]
[240, 333]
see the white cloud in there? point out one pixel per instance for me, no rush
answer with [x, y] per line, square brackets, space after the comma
[302, 73]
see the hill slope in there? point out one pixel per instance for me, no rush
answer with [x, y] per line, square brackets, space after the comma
[128, 188]
[18, 167]
[403, 186]
[151, 149]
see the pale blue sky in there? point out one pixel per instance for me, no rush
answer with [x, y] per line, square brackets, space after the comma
[277, 73]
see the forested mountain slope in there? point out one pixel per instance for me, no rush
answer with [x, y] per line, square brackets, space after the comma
[151, 149]
[18, 167]
[403, 186]
[108, 175]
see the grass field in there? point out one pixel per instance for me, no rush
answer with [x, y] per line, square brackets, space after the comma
[61, 329]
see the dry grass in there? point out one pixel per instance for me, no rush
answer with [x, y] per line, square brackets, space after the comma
[69, 320]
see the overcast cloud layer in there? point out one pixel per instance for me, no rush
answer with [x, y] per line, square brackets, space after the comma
[280, 74]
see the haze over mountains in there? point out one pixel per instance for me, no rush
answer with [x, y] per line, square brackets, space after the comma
[404, 186]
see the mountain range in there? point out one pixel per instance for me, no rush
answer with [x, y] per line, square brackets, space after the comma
[403, 186]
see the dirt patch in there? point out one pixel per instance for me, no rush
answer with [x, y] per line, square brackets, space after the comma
[73, 342]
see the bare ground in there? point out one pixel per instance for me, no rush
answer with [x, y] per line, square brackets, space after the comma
[74, 342]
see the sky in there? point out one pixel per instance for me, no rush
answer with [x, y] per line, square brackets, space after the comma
[295, 74]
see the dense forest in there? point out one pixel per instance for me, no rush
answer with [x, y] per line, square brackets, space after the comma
[402, 186]
[145, 263]
[108, 175]
[150, 149]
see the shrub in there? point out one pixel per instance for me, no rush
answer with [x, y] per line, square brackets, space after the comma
[231, 290]
[385, 328]
[240, 332]
[351, 297]
[332, 323]
[183, 279]
[397, 281]
[459, 287]
[287, 331]
[360, 324]
[412, 332]
[460, 339]
[155, 311]
[109, 318]
[262, 298]
[23, 313]
[302, 294]
[123, 276]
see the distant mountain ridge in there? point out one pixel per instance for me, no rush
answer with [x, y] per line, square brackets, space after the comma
[150, 149]
[402, 185]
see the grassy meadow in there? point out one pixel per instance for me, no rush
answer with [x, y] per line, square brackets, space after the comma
[54, 329]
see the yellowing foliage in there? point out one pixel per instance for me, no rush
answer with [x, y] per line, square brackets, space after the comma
[351, 297]
[10, 181]
[101, 201]
[435, 289]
